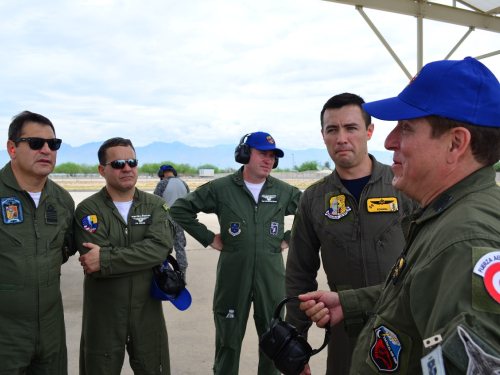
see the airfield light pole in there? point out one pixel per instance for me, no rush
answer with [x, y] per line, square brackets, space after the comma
[293, 163]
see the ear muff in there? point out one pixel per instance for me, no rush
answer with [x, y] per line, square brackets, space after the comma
[242, 151]
[283, 346]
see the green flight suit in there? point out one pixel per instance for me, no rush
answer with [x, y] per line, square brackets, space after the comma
[250, 267]
[357, 249]
[32, 335]
[436, 289]
[118, 310]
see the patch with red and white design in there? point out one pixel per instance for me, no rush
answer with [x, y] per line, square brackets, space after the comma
[386, 350]
[488, 267]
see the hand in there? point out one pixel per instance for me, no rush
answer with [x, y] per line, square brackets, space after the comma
[217, 244]
[284, 245]
[307, 370]
[322, 307]
[90, 261]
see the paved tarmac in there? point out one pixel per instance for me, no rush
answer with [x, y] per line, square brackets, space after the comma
[191, 332]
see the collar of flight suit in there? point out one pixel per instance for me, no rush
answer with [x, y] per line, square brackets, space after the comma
[237, 178]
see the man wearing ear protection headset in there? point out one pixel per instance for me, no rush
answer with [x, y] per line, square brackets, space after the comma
[171, 188]
[350, 218]
[35, 237]
[121, 233]
[251, 206]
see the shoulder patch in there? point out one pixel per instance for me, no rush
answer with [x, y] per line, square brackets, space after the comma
[166, 207]
[89, 223]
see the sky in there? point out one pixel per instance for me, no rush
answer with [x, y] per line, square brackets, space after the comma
[205, 72]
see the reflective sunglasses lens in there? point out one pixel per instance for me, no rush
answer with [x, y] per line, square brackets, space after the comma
[118, 164]
[132, 163]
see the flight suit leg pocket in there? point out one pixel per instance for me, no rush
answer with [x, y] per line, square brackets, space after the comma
[390, 348]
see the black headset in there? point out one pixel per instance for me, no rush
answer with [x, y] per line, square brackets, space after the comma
[283, 345]
[169, 281]
[161, 172]
[242, 152]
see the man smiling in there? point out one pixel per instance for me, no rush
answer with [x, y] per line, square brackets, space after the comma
[439, 309]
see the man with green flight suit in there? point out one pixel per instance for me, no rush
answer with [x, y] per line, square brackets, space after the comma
[251, 206]
[35, 232]
[122, 233]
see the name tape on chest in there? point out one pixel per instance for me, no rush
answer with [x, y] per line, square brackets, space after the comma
[488, 267]
[144, 219]
[266, 198]
[389, 204]
[50, 214]
[12, 210]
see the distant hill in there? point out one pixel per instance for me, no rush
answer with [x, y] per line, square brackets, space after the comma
[221, 156]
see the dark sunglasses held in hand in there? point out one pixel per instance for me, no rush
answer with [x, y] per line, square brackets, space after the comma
[36, 143]
[120, 164]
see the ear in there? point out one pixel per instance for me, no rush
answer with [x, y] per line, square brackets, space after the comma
[323, 135]
[11, 149]
[101, 170]
[370, 130]
[459, 142]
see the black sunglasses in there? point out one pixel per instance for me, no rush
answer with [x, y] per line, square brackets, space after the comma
[120, 164]
[36, 143]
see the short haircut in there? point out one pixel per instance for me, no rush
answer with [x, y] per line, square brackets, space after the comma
[112, 142]
[342, 100]
[484, 143]
[18, 121]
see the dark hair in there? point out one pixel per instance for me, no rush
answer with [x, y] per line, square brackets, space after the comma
[112, 142]
[484, 142]
[18, 121]
[342, 100]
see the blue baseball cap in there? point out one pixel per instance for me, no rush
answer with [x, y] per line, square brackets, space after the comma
[464, 90]
[170, 291]
[167, 167]
[264, 141]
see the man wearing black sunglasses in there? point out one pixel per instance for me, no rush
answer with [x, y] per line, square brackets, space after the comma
[121, 233]
[35, 237]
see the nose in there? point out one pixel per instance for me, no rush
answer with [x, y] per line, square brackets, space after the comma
[341, 136]
[126, 168]
[392, 141]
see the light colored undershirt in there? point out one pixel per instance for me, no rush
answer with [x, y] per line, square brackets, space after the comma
[255, 189]
[124, 208]
[35, 197]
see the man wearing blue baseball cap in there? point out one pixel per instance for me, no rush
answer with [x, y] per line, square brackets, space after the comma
[439, 308]
[251, 206]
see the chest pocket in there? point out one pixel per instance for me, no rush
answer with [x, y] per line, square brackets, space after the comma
[54, 245]
[13, 260]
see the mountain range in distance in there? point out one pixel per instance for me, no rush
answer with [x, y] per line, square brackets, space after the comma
[221, 156]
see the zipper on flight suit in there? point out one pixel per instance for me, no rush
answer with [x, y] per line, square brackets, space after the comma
[37, 235]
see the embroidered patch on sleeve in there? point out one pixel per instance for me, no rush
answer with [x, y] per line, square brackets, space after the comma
[488, 267]
[89, 223]
[165, 207]
[12, 211]
[386, 349]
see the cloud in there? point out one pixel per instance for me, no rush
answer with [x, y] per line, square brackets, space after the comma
[205, 72]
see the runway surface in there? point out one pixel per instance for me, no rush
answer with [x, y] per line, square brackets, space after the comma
[191, 333]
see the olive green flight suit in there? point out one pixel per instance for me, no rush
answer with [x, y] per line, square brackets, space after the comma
[250, 267]
[436, 290]
[32, 334]
[357, 249]
[118, 310]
